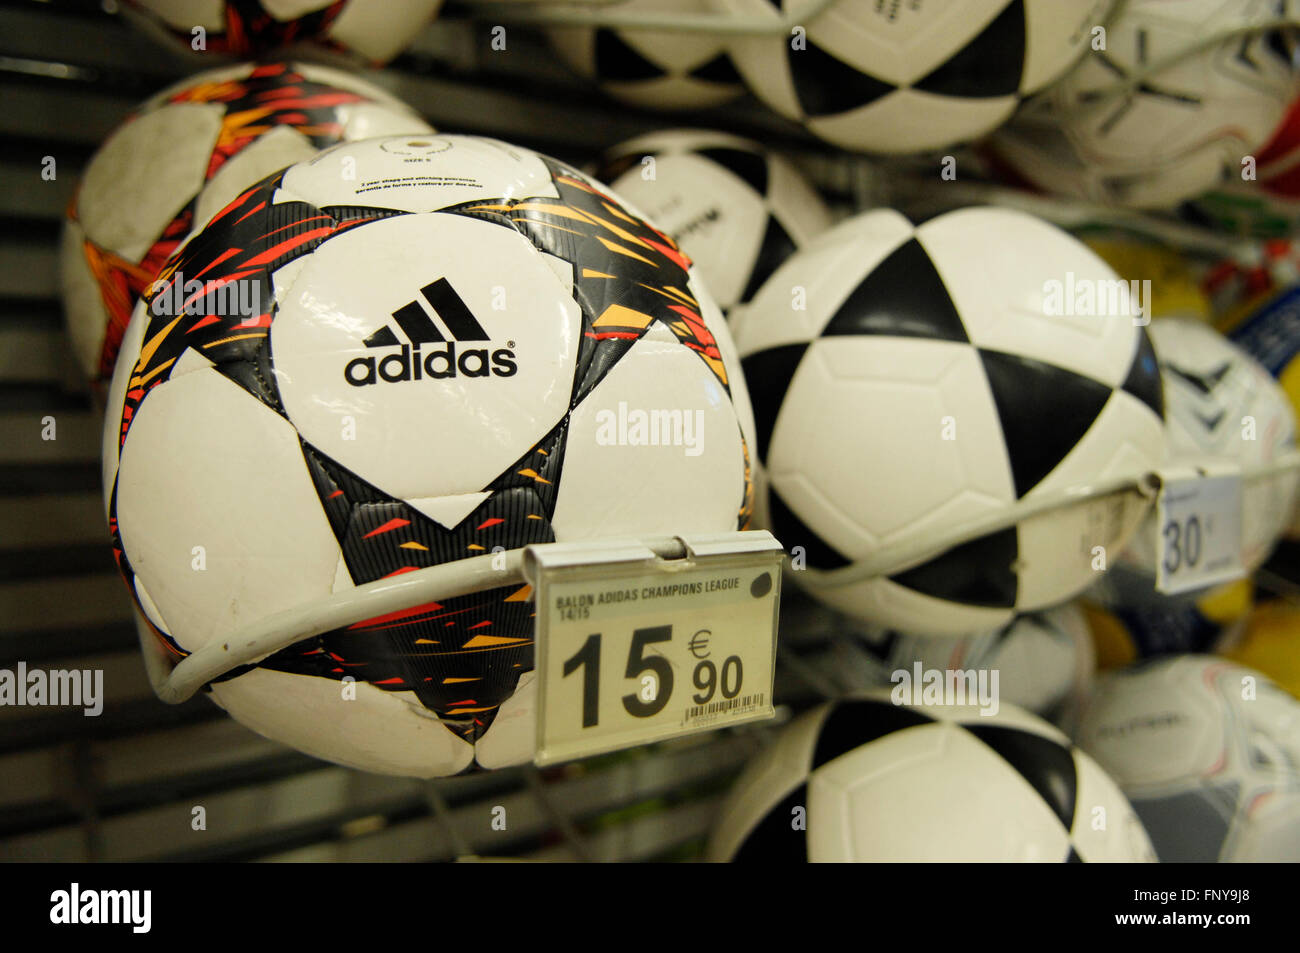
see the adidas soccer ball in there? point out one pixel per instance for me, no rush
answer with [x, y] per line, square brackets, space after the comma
[249, 28]
[735, 208]
[427, 335]
[1114, 131]
[906, 77]
[1044, 660]
[183, 155]
[1209, 754]
[866, 780]
[648, 68]
[909, 380]
[1220, 403]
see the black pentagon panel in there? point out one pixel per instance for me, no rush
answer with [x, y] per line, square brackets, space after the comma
[774, 839]
[1144, 381]
[825, 85]
[791, 531]
[852, 724]
[978, 573]
[649, 272]
[776, 247]
[750, 167]
[1047, 765]
[989, 65]
[720, 69]
[1044, 410]
[618, 63]
[768, 374]
[461, 656]
[903, 296]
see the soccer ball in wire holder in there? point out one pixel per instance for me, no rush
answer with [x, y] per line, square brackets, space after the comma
[386, 405]
[1177, 102]
[956, 786]
[876, 77]
[1009, 452]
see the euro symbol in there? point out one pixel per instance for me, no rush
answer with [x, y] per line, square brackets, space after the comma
[699, 643]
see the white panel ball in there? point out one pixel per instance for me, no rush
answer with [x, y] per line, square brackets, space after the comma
[206, 464]
[375, 731]
[911, 385]
[694, 486]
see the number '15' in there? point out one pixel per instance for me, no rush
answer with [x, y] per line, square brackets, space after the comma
[587, 658]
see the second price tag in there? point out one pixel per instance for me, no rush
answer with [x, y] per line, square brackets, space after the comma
[1198, 518]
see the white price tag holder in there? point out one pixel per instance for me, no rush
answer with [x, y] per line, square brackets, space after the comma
[1198, 527]
[645, 640]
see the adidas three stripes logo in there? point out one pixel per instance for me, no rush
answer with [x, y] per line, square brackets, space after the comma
[438, 363]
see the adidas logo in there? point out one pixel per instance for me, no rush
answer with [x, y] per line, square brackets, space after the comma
[438, 363]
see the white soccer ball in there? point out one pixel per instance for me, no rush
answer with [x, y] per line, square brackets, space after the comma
[911, 380]
[735, 208]
[414, 358]
[866, 780]
[181, 157]
[1164, 112]
[655, 69]
[375, 32]
[1209, 754]
[906, 77]
[1221, 404]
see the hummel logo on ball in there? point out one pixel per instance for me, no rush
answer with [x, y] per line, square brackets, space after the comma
[441, 363]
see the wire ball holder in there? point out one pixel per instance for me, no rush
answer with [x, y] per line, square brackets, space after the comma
[176, 683]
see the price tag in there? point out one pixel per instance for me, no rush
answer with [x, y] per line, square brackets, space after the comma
[635, 647]
[1198, 522]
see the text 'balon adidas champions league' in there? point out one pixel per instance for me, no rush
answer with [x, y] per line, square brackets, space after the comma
[442, 360]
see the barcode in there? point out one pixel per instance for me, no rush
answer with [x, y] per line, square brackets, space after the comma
[729, 704]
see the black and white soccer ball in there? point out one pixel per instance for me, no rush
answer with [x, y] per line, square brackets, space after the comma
[868, 780]
[1166, 110]
[910, 75]
[654, 69]
[401, 353]
[737, 209]
[1207, 751]
[909, 379]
